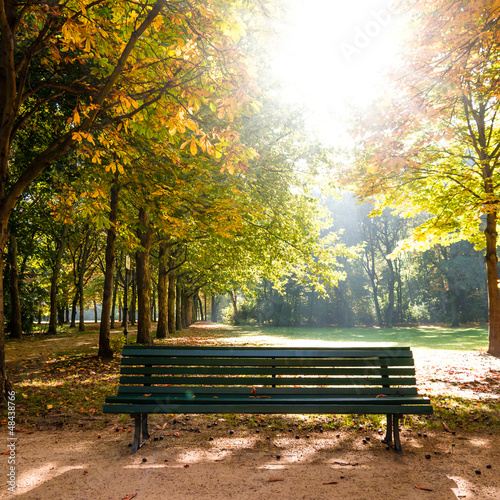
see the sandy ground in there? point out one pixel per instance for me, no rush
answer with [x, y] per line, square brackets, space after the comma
[245, 465]
[194, 459]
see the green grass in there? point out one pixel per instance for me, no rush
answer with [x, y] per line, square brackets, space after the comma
[426, 337]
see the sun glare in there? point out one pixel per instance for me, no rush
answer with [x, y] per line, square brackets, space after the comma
[332, 54]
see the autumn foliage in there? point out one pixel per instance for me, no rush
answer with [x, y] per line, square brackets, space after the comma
[432, 144]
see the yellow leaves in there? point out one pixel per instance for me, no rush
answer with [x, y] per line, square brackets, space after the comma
[193, 149]
[80, 135]
[127, 104]
[76, 117]
[114, 166]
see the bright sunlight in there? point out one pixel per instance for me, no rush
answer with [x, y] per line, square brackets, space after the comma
[333, 54]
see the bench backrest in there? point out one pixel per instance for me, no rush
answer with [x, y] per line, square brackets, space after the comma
[348, 370]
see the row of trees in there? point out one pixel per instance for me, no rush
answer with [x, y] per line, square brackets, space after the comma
[445, 284]
[431, 144]
[140, 129]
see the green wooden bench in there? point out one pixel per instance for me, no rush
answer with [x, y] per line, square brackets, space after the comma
[258, 380]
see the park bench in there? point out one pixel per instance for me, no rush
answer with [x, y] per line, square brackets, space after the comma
[267, 380]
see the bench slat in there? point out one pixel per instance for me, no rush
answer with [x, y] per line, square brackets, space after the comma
[259, 408]
[215, 370]
[238, 398]
[251, 381]
[285, 362]
[268, 352]
[268, 391]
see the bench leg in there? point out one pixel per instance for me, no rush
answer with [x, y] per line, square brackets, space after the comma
[392, 435]
[141, 427]
[389, 433]
[397, 442]
[145, 432]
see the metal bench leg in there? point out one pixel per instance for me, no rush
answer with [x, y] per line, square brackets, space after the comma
[141, 427]
[389, 433]
[145, 432]
[137, 435]
[397, 442]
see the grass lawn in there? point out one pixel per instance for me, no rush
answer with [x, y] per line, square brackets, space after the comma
[427, 337]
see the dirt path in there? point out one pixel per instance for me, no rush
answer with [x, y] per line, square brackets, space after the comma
[245, 466]
[194, 459]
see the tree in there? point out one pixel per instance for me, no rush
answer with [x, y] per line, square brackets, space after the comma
[433, 144]
[97, 68]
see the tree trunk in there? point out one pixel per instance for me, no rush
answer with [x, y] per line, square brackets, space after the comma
[105, 350]
[73, 310]
[81, 297]
[492, 279]
[16, 324]
[133, 299]
[113, 305]
[162, 328]
[213, 309]
[153, 301]
[53, 282]
[5, 385]
[234, 302]
[389, 312]
[171, 297]
[178, 307]
[143, 273]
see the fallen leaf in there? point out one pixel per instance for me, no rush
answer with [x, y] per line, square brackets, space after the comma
[423, 488]
[49, 407]
[346, 463]
[274, 479]
[85, 472]
[176, 434]
[22, 430]
[381, 396]
[446, 428]
[253, 391]
[129, 497]
[331, 482]
[7, 452]
[186, 466]
[263, 397]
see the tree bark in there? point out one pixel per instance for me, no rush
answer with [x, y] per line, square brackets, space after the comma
[178, 306]
[213, 309]
[81, 280]
[52, 330]
[491, 259]
[5, 384]
[105, 350]
[73, 310]
[133, 298]
[162, 328]
[145, 234]
[113, 305]
[16, 324]
[171, 296]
